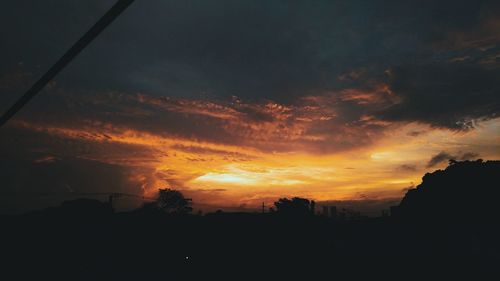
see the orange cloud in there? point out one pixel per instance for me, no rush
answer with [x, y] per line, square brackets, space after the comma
[274, 149]
[242, 175]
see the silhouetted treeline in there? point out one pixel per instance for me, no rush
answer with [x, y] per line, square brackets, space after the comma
[295, 207]
[464, 191]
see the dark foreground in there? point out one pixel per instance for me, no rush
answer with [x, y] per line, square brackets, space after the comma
[447, 227]
[139, 246]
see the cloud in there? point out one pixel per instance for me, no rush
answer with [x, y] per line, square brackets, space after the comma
[316, 124]
[445, 156]
[281, 50]
[407, 167]
[209, 151]
[415, 133]
[438, 158]
[468, 156]
[444, 95]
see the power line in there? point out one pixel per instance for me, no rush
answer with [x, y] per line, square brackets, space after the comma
[85, 40]
[72, 194]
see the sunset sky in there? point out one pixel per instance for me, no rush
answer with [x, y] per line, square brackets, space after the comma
[242, 102]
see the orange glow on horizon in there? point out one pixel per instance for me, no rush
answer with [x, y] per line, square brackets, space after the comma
[244, 175]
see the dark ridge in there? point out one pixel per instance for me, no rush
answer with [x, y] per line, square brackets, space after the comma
[464, 191]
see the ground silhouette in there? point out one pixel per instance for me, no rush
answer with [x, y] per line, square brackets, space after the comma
[443, 228]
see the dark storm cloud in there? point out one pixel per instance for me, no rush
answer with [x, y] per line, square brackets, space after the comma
[251, 46]
[447, 95]
[441, 53]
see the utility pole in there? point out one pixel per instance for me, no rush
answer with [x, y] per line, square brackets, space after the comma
[263, 207]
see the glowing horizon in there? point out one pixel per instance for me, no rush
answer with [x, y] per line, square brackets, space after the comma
[221, 174]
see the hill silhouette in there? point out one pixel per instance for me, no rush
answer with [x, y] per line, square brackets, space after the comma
[464, 191]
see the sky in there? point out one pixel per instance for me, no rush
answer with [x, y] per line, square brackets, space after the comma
[236, 103]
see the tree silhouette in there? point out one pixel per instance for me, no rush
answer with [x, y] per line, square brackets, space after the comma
[463, 191]
[173, 202]
[296, 206]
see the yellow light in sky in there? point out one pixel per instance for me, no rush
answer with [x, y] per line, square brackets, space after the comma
[250, 175]
[227, 178]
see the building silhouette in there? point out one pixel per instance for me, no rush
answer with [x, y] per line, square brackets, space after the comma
[333, 212]
[325, 212]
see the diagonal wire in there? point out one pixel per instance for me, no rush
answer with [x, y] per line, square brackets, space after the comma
[90, 35]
